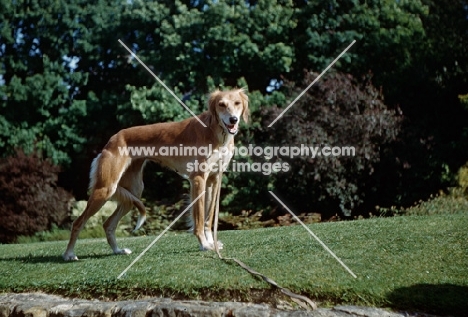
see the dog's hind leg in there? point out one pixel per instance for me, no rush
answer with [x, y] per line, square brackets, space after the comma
[131, 187]
[111, 225]
[106, 171]
[95, 203]
[126, 198]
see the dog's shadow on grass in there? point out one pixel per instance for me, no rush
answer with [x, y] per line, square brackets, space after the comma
[439, 299]
[58, 259]
[55, 259]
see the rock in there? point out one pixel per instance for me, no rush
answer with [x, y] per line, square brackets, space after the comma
[365, 311]
[43, 305]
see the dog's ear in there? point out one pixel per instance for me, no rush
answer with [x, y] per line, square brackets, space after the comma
[213, 100]
[245, 102]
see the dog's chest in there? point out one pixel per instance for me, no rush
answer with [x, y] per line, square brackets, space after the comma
[205, 162]
[220, 157]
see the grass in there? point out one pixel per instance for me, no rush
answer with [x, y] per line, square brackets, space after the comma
[411, 262]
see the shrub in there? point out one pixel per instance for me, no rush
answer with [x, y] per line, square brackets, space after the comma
[463, 178]
[438, 205]
[30, 202]
[337, 111]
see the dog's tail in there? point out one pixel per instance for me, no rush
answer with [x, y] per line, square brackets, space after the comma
[93, 172]
[141, 216]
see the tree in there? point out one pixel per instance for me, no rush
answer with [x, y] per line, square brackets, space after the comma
[38, 105]
[67, 82]
[344, 115]
[432, 145]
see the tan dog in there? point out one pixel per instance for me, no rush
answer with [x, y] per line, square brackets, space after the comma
[116, 173]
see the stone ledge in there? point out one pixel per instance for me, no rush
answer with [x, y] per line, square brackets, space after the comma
[44, 305]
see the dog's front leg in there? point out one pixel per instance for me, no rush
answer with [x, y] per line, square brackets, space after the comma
[211, 202]
[197, 187]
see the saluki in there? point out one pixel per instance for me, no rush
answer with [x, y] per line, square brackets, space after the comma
[117, 173]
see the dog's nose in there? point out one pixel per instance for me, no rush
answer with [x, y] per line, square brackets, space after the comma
[233, 120]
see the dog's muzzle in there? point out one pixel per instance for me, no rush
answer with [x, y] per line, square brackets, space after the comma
[232, 126]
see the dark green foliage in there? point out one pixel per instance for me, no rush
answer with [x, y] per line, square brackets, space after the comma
[67, 85]
[434, 142]
[38, 109]
[384, 30]
[343, 114]
[30, 202]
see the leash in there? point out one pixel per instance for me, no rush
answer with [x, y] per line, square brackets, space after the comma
[301, 300]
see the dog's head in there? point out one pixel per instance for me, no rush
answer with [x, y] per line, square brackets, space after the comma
[229, 106]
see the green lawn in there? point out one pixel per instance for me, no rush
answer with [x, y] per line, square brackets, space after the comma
[410, 262]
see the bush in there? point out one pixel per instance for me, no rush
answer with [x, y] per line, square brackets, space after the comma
[438, 205]
[337, 111]
[452, 201]
[30, 202]
[462, 178]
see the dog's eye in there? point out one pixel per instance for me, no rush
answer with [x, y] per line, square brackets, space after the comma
[237, 103]
[222, 104]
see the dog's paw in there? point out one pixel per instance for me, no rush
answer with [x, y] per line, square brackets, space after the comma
[220, 245]
[123, 251]
[210, 246]
[70, 257]
[206, 247]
